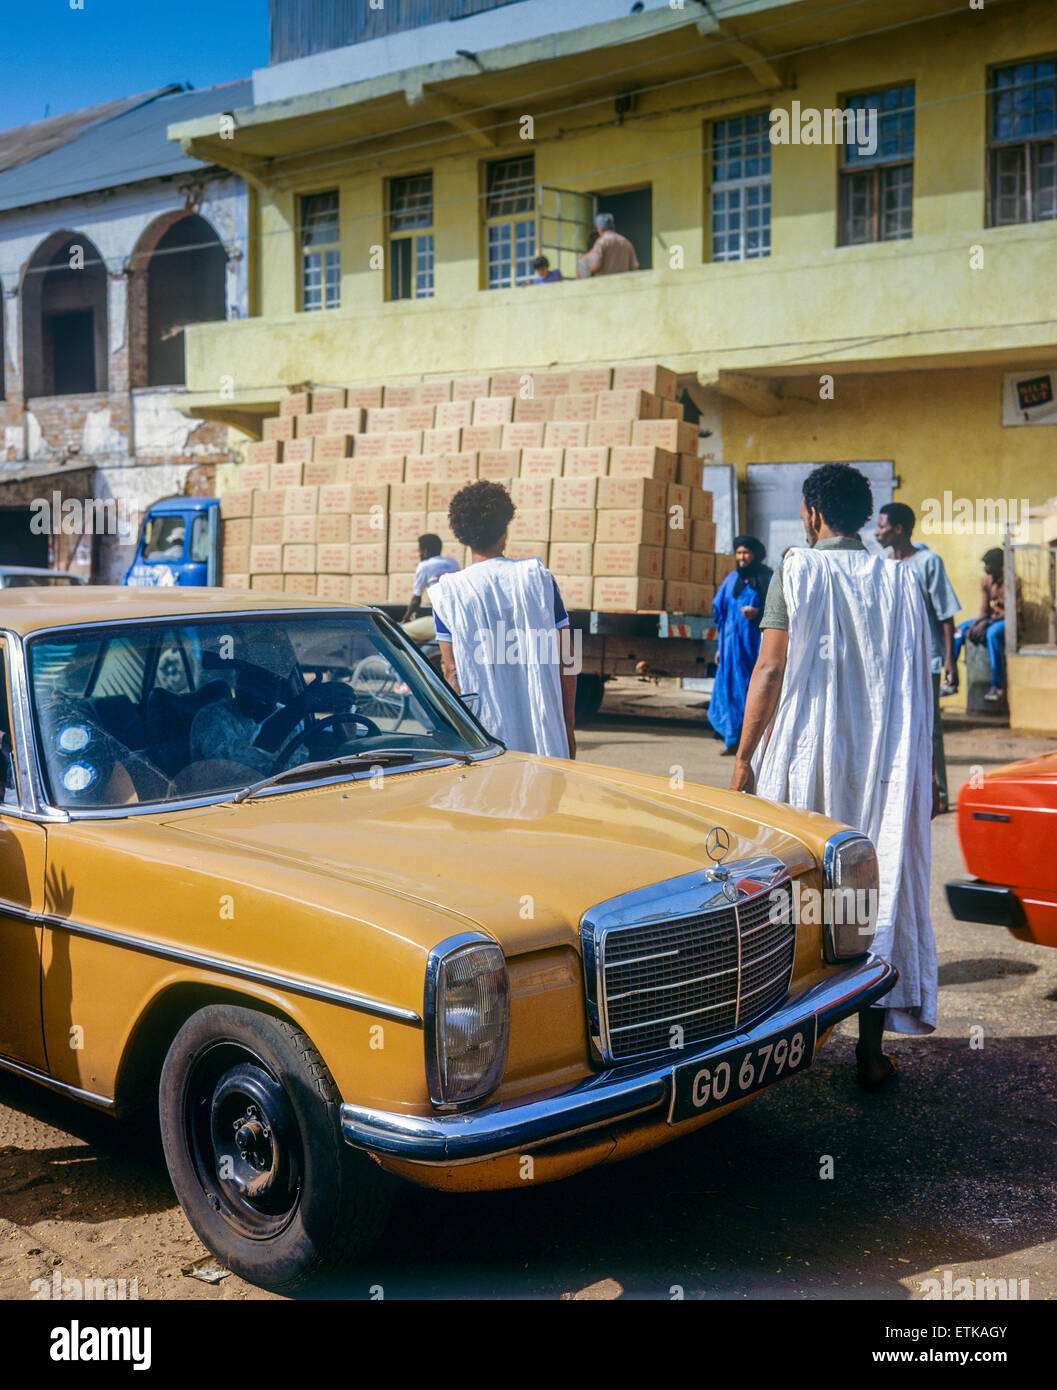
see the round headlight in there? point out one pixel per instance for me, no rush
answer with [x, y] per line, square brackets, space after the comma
[850, 901]
[467, 1011]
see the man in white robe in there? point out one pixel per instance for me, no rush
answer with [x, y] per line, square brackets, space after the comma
[504, 633]
[839, 720]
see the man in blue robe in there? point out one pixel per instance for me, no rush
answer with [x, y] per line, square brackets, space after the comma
[736, 613]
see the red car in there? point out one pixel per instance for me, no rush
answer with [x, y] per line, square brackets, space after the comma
[1007, 825]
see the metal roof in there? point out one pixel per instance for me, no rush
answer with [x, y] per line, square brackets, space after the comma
[106, 150]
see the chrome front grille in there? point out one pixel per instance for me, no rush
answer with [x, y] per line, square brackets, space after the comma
[675, 978]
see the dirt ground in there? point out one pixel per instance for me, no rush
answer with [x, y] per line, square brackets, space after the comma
[955, 1171]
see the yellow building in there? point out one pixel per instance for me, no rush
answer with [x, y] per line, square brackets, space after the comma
[875, 284]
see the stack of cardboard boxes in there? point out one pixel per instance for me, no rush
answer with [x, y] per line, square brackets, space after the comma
[600, 463]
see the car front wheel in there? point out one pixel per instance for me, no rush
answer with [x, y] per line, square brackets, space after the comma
[249, 1124]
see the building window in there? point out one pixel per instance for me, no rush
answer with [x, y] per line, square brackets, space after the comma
[510, 221]
[320, 251]
[1024, 143]
[741, 188]
[411, 237]
[877, 188]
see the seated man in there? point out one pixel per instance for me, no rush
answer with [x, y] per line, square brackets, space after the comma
[432, 564]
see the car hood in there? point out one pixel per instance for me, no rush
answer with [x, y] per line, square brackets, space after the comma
[518, 845]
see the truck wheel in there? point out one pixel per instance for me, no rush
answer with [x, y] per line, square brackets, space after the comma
[589, 692]
[249, 1124]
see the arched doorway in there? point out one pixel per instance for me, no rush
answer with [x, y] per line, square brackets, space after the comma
[64, 318]
[184, 283]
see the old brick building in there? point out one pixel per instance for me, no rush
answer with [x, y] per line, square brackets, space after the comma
[111, 242]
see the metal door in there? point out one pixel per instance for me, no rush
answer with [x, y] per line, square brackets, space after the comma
[773, 492]
[721, 481]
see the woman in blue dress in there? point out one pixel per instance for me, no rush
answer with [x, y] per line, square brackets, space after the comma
[736, 613]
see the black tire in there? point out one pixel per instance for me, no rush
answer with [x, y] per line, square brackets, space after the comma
[315, 1203]
[589, 693]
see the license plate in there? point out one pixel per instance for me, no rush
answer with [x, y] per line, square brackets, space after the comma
[741, 1071]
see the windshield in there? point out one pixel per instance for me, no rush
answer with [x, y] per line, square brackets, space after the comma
[160, 711]
[163, 538]
[37, 581]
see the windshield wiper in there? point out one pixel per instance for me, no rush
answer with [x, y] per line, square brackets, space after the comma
[391, 756]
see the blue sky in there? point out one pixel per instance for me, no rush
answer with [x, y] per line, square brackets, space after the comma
[65, 58]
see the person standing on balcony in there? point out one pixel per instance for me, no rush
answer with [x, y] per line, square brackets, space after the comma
[612, 253]
[542, 273]
[895, 526]
[838, 720]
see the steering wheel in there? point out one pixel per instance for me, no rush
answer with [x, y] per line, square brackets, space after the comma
[333, 699]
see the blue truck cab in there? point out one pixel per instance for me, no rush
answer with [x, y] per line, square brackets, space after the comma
[179, 543]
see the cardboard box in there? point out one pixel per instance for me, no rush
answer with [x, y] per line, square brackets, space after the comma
[534, 409]
[565, 434]
[399, 586]
[299, 559]
[530, 525]
[369, 558]
[270, 583]
[264, 451]
[635, 527]
[702, 535]
[363, 398]
[238, 531]
[724, 565]
[460, 468]
[586, 462]
[438, 525]
[612, 433]
[614, 594]
[236, 581]
[333, 558]
[389, 470]
[590, 379]
[702, 567]
[706, 598]
[327, 398]
[468, 388]
[286, 475]
[382, 419]
[368, 497]
[278, 427]
[297, 530]
[403, 557]
[332, 528]
[235, 559]
[639, 561]
[347, 421]
[493, 410]
[533, 493]
[578, 407]
[303, 584]
[680, 596]
[671, 410]
[335, 497]
[575, 494]
[395, 444]
[311, 426]
[628, 494]
[677, 436]
[319, 474]
[646, 376]
[426, 468]
[554, 383]
[677, 566]
[433, 392]
[368, 588]
[416, 417]
[643, 461]
[409, 497]
[506, 383]
[498, 465]
[331, 448]
[678, 533]
[253, 475]
[408, 526]
[523, 434]
[269, 501]
[569, 557]
[300, 501]
[700, 504]
[333, 587]
[300, 450]
[541, 463]
[476, 437]
[444, 441]
[527, 550]
[266, 530]
[574, 526]
[678, 496]
[296, 403]
[400, 394]
[691, 471]
[454, 415]
[438, 499]
[368, 528]
[627, 405]
[577, 591]
[266, 559]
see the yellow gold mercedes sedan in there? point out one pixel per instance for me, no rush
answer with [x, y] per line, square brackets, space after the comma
[261, 866]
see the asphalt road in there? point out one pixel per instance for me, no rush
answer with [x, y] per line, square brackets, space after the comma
[955, 1169]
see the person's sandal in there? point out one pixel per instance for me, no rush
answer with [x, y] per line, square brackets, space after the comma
[947, 688]
[875, 1083]
[994, 695]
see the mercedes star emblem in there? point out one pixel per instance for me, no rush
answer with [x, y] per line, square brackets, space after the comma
[717, 844]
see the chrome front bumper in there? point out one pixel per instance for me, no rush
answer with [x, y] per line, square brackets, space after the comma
[618, 1094]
